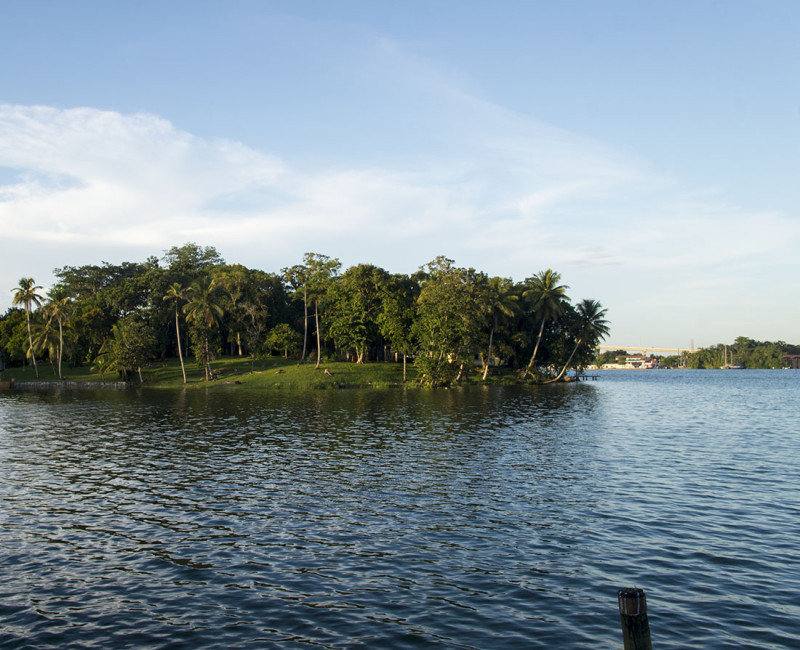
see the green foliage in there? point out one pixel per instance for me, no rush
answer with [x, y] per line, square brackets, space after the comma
[320, 273]
[611, 356]
[284, 339]
[546, 299]
[129, 347]
[751, 354]
[13, 337]
[26, 295]
[190, 260]
[588, 327]
[204, 313]
[449, 319]
[500, 302]
[398, 312]
[356, 301]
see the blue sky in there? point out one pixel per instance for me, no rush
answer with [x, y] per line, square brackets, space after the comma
[647, 151]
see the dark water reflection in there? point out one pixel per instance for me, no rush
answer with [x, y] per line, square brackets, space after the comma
[464, 518]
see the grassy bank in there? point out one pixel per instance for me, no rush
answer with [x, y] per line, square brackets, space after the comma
[272, 373]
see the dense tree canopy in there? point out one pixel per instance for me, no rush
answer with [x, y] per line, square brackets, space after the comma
[449, 320]
[745, 351]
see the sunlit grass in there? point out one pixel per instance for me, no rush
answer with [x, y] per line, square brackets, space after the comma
[269, 373]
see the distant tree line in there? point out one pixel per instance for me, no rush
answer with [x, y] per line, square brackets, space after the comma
[756, 355]
[191, 304]
[746, 351]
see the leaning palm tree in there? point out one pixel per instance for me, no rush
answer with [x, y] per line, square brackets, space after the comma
[45, 341]
[26, 296]
[500, 301]
[592, 327]
[548, 298]
[204, 312]
[175, 294]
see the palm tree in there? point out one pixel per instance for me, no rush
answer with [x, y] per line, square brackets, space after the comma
[501, 301]
[204, 312]
[592, 328]
[175, 293]
[548, 299]
[45, 340]
[26, 296]
[59, 309]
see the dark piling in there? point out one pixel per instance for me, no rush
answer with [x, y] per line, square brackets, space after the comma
[633, 616]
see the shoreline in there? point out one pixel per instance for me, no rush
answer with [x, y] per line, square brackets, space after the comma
[271, 374]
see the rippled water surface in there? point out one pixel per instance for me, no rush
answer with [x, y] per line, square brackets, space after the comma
[480, 518]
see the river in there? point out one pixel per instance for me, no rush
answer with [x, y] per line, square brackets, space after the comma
[468, 518]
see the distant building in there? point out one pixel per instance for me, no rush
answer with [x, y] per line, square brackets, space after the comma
[641, 361]
[794, 361]
[634, 362]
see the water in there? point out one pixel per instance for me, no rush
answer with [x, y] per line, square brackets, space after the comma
[480, 518]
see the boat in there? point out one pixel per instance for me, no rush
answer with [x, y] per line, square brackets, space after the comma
[731, 365]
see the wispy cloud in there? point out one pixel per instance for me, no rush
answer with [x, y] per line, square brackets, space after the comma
[105, 177]
[498, 190]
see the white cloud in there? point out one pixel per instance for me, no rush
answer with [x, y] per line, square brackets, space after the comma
[103, 176]
[514, 196]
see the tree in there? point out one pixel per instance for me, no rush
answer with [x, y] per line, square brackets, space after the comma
[204, 312]
[592, 327]
[128, 348]
[45, 341]
[102, 295]
[175, 294]
[254, 328]
[449, 318]
[13, 337]
[355, 305]
[25, 295]
[500, 300]
[614, 356]
[190, 260]
[283, 337]
[233, 279]
[297, 278]
[547, 298]
[398, 311]
[60, 310]
[322, 270]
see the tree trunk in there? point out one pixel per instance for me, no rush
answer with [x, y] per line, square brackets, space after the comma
[404, 367]
[488, 355]
[535, 350]
[305, 324]
[178, 335]
[239, 342]
[566, 365]
[30, 342]
[319, 344]
[139, 370]
[60, 347]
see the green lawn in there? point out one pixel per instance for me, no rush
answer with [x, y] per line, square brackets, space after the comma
[274, 372]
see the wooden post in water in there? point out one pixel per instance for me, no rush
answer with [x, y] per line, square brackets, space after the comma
[633, 616]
